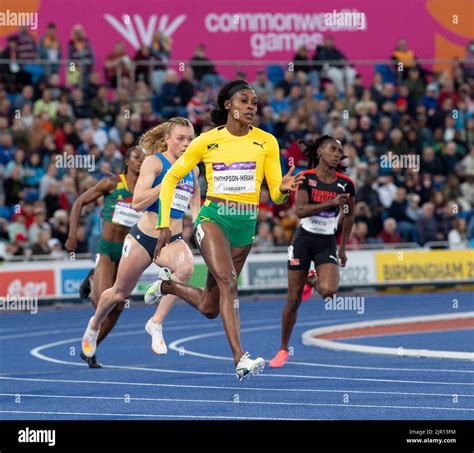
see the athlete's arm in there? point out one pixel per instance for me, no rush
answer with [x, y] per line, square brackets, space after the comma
[144, 195]
[195, 201]
[103, 187]
[188, 160]
[272, 172]
[347, 222]
[305, 209]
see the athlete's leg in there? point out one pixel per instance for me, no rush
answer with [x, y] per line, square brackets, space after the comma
[134, 261]
[104, 276]
[179, 259]
[217, 253]
[328, 279]
[296, 282]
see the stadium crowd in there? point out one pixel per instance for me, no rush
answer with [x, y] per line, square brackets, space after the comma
[408, 135]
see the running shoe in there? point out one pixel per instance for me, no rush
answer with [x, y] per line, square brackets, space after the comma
[280, 359]
[91, 361]
[85, 288]
[89, 340]
[309, 286]
[158, 345]
[153, 292]
[248, 367]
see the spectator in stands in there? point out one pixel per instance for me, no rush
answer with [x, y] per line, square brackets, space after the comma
[301, 60]
[40, 245]
[116, 64]
[261, 84]
[113, 156]
[264, 238]
[457, 235]
[48, 179]
[50, 49]
[403, 58]
[52, 199]
[187, 86]
[385, 189]
[39, 225]
[102, 107]
[99, 136]
[427, 226]
[80, 51]
[279, 103]
[13, 187]
[338, 70]
[18, 162]
[18, 226]
[171, 97]
[204, 70]
[398, 211]
[198, 109]
[389, 233]
[60, 225]
[46, 104]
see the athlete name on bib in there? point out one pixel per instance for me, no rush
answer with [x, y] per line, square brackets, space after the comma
[323, 223]
[181, 197]
[238, 177]
[125, 215]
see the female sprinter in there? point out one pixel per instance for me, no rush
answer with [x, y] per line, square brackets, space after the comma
[139, 246]
[237, 157]
[325, 192]
[118, 216]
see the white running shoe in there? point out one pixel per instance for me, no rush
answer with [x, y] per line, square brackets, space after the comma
[248, 367]
[153, 292]
[89, 340]
[158, 345]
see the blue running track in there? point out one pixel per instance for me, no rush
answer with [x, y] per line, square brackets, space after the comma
[42, 376]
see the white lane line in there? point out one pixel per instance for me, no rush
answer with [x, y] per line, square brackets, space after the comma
[295, 376]
[263, 403]
[310, 338]
[175, 347]
[103, 414]
[36, 352]
[239, 388]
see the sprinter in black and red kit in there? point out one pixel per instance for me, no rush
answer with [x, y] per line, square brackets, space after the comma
[324, 195]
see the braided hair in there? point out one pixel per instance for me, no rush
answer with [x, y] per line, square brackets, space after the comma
[311, 151]
[219, 115]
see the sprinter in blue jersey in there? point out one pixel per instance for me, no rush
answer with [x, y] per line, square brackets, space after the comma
[163, 144]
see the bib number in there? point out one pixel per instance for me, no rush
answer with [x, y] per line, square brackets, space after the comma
[125, 215]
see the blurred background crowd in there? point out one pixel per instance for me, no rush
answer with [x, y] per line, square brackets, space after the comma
[50, 111]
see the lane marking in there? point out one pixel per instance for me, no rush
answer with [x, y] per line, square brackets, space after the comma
[103, 414]
[310, 338]
[218, 387]
[263, 403]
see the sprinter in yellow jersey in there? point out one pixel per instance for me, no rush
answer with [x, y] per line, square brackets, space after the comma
[237, 157]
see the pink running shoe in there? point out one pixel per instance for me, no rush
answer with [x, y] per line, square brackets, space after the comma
[308, 289]
[280, 359]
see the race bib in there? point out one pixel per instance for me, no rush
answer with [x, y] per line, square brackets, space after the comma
[238, 177]
[182, 195]
[324, 223]
[125, 215]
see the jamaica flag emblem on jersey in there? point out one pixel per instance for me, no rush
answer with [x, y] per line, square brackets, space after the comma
[212, 146]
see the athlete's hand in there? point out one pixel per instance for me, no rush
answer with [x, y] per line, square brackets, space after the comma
[341, 200]
[290, 183]
[71, 244]
[342, 257]
[165, 236]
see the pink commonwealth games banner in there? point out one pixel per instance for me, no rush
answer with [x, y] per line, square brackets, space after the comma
[258, 30]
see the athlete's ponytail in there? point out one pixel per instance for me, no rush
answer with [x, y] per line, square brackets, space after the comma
[153, 140]
[311, 151]
[219, 115]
